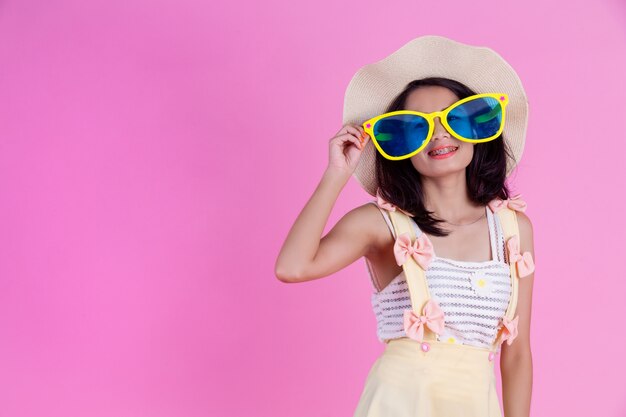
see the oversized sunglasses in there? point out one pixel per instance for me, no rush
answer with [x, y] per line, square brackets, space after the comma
[403, 133]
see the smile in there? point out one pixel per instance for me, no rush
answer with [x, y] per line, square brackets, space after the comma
[443, 152]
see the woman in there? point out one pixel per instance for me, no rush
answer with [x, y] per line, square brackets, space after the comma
[447, 286]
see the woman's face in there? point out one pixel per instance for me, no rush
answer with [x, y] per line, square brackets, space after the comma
[427, 100]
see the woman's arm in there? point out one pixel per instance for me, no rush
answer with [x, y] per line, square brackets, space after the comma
[305, 254]
[516, 362]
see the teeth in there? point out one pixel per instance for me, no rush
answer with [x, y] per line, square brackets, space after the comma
[443, 150]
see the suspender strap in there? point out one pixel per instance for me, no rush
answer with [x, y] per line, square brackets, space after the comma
[510, 228]
[508, 220]
[415, 275]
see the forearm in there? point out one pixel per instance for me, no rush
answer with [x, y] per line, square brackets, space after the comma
[517, 381]
[303, 239]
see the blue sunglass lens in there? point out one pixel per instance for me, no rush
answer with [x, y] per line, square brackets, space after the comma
[480, 118]
[401, 134]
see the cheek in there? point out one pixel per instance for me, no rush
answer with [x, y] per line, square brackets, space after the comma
[467, 151]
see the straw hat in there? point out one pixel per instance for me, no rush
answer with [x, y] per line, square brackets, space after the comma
[375, 85]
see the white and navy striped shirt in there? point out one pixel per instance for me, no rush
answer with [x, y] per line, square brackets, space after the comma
[474, 296]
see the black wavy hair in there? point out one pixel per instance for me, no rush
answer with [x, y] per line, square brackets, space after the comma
[400, 183]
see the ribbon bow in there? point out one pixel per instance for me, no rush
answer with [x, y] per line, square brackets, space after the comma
[509, 331]
[432, 317]
[421, 250]
[514, 203]
[384, 204]
[524, 262]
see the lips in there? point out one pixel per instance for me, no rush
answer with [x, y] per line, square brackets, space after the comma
[455, 147]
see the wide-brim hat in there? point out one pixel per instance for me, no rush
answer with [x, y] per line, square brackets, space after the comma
[375, 85]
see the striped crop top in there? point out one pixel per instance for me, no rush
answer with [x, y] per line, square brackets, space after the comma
[474, 296]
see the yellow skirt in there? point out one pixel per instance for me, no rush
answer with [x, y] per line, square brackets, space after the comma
[450, 380]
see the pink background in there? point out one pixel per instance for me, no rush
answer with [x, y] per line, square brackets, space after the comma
[154, 154]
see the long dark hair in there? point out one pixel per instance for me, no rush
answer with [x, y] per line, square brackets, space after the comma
[401, 184]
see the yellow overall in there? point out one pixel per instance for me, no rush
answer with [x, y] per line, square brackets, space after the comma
[435, 378]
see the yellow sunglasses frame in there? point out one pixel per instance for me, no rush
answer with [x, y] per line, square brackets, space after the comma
[368, 125]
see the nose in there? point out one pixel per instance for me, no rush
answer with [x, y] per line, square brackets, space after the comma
[439, 131]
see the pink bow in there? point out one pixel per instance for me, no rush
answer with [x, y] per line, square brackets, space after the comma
[432, 317]
[384, 204]
[421, 250]
[514, 203]
[524, 262]
[509, 331]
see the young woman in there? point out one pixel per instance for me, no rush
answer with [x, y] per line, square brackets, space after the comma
[442, 164]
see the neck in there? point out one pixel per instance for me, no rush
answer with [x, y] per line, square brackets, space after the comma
[447, 197]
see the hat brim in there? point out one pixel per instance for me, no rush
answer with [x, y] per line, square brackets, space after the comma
[375, 85]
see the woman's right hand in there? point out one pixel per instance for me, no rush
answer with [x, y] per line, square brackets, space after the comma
[345, 148]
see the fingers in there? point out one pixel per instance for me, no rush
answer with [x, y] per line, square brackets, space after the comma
[357, 142]
[355, 131]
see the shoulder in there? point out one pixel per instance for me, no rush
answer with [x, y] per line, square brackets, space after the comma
[525, 231]
[525, 225]
[369, 215]
[372, 219]
[364, 212]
